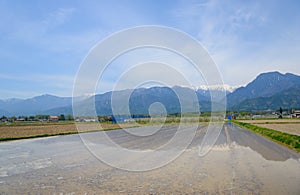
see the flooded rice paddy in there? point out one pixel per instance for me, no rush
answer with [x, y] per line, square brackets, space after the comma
[239, 163]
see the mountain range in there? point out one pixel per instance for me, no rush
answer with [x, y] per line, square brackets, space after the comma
[268, 91]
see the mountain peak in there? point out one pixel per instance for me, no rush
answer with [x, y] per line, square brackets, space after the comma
[221, 87]
[265, 85]
[46, 95]
[270, 76]
[271, 73]
[267, 90]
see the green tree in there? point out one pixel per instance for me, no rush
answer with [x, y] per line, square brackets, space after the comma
[42, 116]
[62, 117]
[280, 113]
[12, 119]
[3, 117]
[70, 117]
[280, 110]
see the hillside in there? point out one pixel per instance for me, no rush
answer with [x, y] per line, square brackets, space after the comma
[288, 99]
[268, 91]
[140, 100]
[35, 105]
[264, 85]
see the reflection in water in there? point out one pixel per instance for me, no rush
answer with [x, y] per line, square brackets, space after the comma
[240, 163]
[267, 149]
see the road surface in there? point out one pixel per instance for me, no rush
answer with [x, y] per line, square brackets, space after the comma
[240, 163]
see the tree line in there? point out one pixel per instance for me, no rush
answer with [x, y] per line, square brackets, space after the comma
[40, 117]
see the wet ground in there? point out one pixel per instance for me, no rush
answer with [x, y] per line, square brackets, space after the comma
[240, 163]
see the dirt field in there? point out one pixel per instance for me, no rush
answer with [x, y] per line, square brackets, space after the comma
[291, 126]
[269, 121]
[31, 130]
[288, 128]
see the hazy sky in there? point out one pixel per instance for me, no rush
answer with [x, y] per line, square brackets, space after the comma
[44, 42]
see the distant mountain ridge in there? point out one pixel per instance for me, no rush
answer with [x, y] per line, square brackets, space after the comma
[288, 99]
[141, 99]
[33, 106]
[265, 85]
[268, 91]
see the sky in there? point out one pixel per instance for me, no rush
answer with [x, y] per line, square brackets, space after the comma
[43, 43]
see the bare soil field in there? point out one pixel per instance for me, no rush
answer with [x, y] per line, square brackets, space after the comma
[32, 130]
[287, 128]
[291, 126]
[268, 121]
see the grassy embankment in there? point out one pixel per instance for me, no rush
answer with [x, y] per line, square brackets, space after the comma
[291, 141]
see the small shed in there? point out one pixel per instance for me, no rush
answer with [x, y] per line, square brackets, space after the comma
[53, 118]
[296, 114]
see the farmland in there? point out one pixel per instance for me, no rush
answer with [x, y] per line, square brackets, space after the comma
[240, 162]
[285, 132]
[31, 130]
[291, 126]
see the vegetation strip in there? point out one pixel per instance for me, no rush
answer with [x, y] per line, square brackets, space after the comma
[35, 136]
[291, 141]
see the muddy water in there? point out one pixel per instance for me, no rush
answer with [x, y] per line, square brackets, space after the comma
[240, 163]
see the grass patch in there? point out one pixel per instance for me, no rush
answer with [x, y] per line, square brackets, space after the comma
[35, 136]
[291, 141]
[36, 123]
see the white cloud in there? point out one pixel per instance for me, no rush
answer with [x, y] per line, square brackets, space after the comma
[244, 38]
[57, 18]
[24, 86]
[150, 64]
[59, 81]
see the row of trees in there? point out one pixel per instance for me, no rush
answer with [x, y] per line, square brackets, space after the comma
[41, 117]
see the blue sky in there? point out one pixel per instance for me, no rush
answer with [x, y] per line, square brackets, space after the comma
[44, 42]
